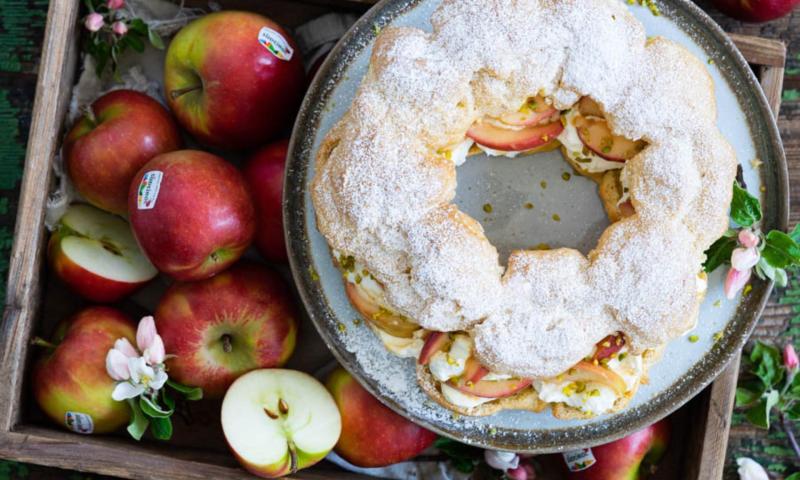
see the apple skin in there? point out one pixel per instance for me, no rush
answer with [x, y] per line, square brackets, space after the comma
[249, 303]
[73, 376]
[372, 434]
[103, 155]
[623, 459]
[203, 218]
[243, 94]
[264, 173]
[755, 11]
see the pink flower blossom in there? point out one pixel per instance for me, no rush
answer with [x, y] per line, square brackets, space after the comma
[735, 281]
[117, 365]
[94, 22]
[146, 333]
[790, 360]
[119, 28]
[745, 258]
[524, 471]
[124, 346]
[155, 352]
[748, 238]
[115, 4]
[502, 461]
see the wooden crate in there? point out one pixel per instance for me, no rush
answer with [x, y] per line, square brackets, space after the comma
[27, 437]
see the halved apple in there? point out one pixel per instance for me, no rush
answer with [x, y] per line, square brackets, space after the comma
[279, 421]
[491, 388]
[587, 372]
[386, 320]
[435, 342]
[595, 134]
[535, 111]
[506, 140]
[96, 255]
[609, 346]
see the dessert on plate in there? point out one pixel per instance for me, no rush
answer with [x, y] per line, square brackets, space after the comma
[553, 328]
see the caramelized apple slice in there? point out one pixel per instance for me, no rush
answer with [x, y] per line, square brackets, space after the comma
[589, 108]
[609, 346]
[514, 140]
[473, 371]
[587, 372]
[390, 322]
[492, 388]
[435, 342]
[596, 135]
[535, 111]
[626, 209]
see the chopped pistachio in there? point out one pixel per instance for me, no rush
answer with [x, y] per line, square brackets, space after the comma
[543, 184]
[556, 217]
[487, 207]
[717, 336]
[341, 326]
[693, 338]
[313, 273]
[566, 176]
[528, 205]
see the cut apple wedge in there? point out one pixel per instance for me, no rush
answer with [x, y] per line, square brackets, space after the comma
[96, 255]
[506, 140]
[535, 111]
[491, 388]
[390, 322]
[609, 346]
[435, 342]
[595, 134]
[587, 372]
[589, 108]
[474, 371]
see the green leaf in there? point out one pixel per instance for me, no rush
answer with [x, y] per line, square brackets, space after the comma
[745, 208]
[153, 409]
[780, 251]
[794, 476]
[781, 279]
[745, 396]
[134, 42]
[768, 364]
[719, 253]
[162, 428]
[155, 39]
[168, 400]
[191, 393]
[139, 422]
[793, 412]
[759, 414]
[795, 233]
[462, 457]
[137, 25]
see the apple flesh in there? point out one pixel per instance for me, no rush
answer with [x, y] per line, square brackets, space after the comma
[535, 111]
[279, 421]
[120, 132]
[630, 457]
[588, 372]
[191, 213]
[756, 11]
[227, 86]
[70, 382]
[391, 323]
[434, 342]
[596, 135]
[95, 254]
[491, 388]
[372, 434]
[264, 173]
[473, 371]
[222, 327]
[609, 346]
[507, 140]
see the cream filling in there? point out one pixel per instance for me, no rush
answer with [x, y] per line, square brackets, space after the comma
[461, 399]
[450, 364]
[573, 145]
[458, 154]
[499, 153]
[402, 347]
[626, 191]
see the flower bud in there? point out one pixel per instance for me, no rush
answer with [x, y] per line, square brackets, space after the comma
[115, 4]
[790, 360]
[749, 469]
[501, 460]
[146, 333]
[117, 365]
[119, 28]
[748, 238]
[94, 22]
[745, 258]
[735, 281]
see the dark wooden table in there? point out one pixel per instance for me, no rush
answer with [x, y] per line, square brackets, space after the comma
[21, 29]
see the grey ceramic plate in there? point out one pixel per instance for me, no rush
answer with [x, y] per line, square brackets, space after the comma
[685, 367]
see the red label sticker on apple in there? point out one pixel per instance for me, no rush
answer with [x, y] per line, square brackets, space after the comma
[79, 422]
[148, 190]
[578, 460]
[275, 43]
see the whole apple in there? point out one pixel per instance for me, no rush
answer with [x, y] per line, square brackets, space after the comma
[264, 173]
[227, 325]
[755, 10]
[630, 457]
[95, 254]
[191, 213]
[70, 382]
[279, 421]
[372, 434]
[234, 79]
[118, 134]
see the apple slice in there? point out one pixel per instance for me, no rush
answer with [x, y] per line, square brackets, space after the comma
[473, 371]
[595, 134]
[435, 342]
[96, 255]
[589, 108]
[391, 323]
[626, 209]
[279, 421]
[609, 346]
[535, 111]
[587, 372]
[491, 388]
[514, 140]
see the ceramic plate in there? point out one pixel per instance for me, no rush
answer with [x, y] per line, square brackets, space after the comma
[685, 367]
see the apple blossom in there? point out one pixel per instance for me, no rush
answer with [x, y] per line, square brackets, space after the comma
[735, 281]
[524, 471]
[155, 354]
[115, 4]
[502, 461]
[749, 469]
[146, 333]
[143, 378]
[748, 238]
[117, 365]
[94, 22]
[745, 258]
[124, 346]
[119, 28]
[790, 360]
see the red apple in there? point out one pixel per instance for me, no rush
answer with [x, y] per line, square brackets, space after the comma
[630, 457]
[222, 327]
[528, 138]
[118, 134]
[264, 173]
[372, 434]
[95, 254]
[755, 10]
[192, 213]
[70, 382]
[234, 79]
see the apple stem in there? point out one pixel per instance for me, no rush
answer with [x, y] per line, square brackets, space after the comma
[40, 342]
[293, 458]
[227, 346]
[789, 433]
[177, 93]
